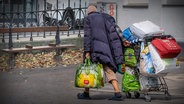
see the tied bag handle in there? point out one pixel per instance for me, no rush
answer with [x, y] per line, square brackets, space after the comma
[87, 64]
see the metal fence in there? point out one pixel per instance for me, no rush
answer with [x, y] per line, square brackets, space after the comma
[71, 15]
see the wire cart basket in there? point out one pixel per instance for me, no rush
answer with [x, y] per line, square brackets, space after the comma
[148, 82]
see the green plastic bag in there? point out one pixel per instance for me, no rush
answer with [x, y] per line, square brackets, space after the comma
[130, 58]
[130, 82]
[89, 75]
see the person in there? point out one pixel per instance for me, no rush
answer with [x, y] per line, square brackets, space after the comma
[104, 46]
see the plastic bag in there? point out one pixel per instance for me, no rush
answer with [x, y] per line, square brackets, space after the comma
[148, 83]
[146, 65]
[163, 65]
[128, 35]
[167, 48]
[130, 58]
[89, 75]
[129, 81]
[156, 59]
[145, 28]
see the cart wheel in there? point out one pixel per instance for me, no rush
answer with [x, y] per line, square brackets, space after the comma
[128, 94]
[136, 94]
[147, 98]
[167, 96]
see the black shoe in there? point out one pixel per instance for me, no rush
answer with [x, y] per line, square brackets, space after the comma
[117, 97]
[84, 95]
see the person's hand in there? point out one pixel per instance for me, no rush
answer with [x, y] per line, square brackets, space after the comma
[126, 43]
[87, 55]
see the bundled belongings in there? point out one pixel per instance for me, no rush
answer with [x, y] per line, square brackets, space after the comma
[130, 82]
[89, 75]
[151, 67]
[146, 64]
[145, 28]
[127, 34]
[130, 58]
[148, 83]
[162, 65]
[137, 31]
[166, 47]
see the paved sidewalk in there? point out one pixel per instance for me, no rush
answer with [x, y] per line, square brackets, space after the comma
[56, 86]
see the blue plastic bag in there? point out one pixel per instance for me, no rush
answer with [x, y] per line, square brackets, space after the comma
[129, 36]
[146, 64]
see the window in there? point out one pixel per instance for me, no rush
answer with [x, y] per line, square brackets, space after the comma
[173, 2]
[107, 7]
[135, 3]
[11, 7]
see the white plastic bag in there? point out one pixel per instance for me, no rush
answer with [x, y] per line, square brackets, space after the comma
[144, 28]
[146, 65]
[165, 65]
[157, 61]
[148, 83]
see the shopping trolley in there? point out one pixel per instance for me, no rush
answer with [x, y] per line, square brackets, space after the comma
[151, 82]
[148, 82]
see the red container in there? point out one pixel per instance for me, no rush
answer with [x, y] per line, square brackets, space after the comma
[167, 48]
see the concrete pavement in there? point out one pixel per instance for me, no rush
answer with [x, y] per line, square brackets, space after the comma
[56, 86]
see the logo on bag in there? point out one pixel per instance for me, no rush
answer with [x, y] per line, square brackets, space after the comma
[123, 68]
[130, 56]
[86, 81]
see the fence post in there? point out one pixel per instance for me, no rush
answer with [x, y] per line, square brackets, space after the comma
[37, 15]
[3, 40]
[68, 33]
[44, 17]
[80, 9]
[31, 38]
[10, 45]
[10, 28]
[24, 11]
[58, 41]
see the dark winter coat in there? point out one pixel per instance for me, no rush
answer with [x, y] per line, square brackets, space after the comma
[102, 41]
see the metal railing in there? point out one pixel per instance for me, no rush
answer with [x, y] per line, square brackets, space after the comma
[37, 18]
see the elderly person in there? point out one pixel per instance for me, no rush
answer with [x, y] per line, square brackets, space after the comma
[104, 46]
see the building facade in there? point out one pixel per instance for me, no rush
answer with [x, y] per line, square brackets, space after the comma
[166, 13]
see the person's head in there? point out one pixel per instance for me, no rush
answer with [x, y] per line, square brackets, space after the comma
[91, 8]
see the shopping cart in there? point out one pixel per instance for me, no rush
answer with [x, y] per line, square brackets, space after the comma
[148, 82]
[151, 82]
